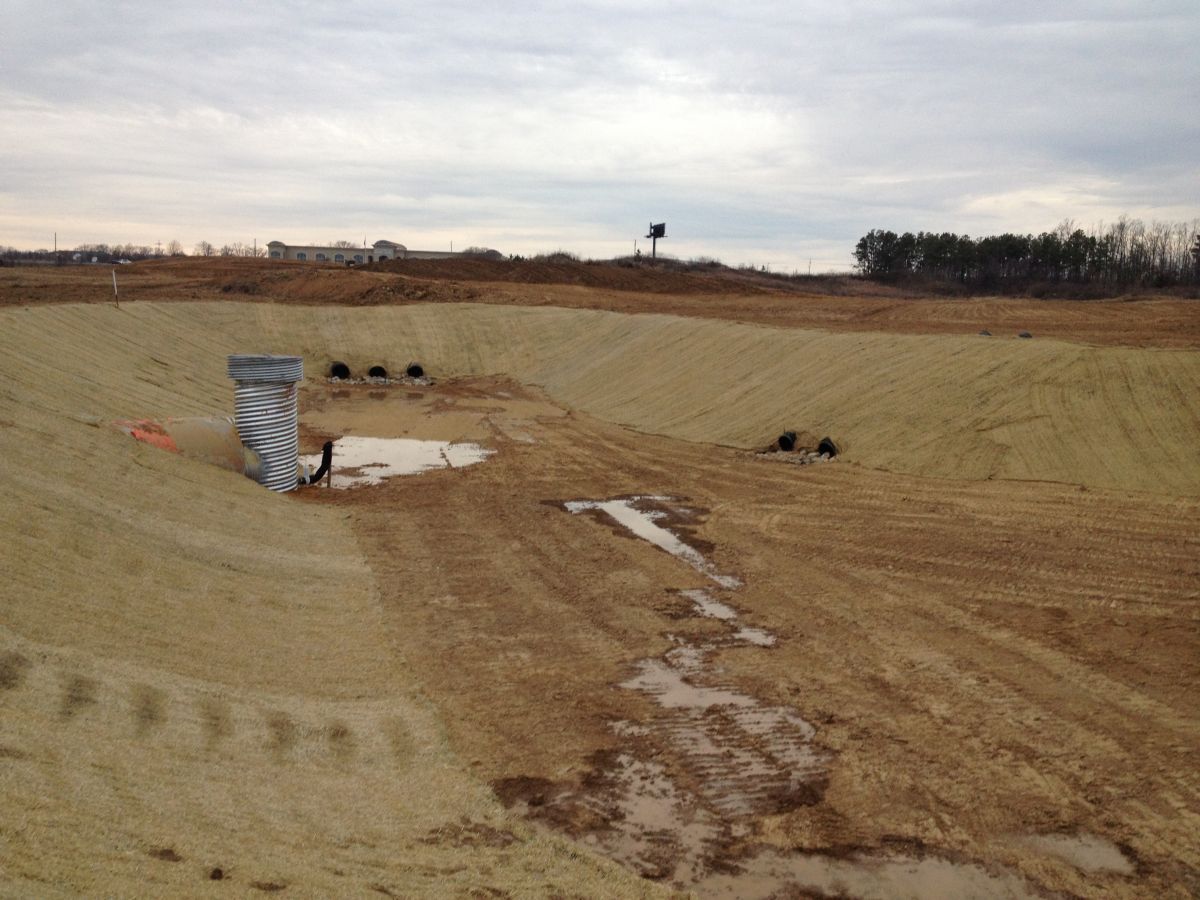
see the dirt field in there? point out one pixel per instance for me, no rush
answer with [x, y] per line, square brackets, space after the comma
[961, 659]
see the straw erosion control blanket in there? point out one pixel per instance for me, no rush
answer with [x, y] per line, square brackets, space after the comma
[964, 649]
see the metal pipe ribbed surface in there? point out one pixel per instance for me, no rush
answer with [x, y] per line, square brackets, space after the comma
[257, 367]
[266, 413]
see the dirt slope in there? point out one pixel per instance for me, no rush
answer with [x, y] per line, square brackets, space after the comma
[317, 695]
[955, 407]
[195, 673]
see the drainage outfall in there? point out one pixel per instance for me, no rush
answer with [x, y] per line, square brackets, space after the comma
[266, 413]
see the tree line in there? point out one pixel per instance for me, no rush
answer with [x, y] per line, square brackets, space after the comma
[1126, 253]
[108, 253]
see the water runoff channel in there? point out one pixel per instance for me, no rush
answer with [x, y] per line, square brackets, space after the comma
[734, 758]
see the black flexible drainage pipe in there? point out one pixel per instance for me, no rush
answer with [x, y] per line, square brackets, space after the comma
[377, 372]
[339, 370]
[326, 459]
[787, 441]
[414, 370]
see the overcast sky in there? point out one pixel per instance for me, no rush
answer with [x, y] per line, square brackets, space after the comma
[760, 132]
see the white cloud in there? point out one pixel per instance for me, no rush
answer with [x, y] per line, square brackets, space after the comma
[762, 132]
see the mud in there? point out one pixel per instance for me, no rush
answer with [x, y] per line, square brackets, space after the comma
[733, 757]
[860, 718]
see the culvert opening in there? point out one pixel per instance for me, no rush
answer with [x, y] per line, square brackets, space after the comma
[339, 370]
[377, 372]
[826, 446]
[415, 370]
[787, 441]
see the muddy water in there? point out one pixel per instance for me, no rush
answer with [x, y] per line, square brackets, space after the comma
[360, 461]
[633, 514]
[734, 756]
[708, 606]
[1086, 852]
[713, 760]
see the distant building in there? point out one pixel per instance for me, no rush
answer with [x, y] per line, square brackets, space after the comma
[380, 250]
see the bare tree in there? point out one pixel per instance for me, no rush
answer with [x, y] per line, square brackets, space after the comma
[204, 248]
[174, 248]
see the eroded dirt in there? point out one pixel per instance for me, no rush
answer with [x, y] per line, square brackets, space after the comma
[912, 683]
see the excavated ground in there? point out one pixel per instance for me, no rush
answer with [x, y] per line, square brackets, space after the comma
[951, 671]
[959, 660]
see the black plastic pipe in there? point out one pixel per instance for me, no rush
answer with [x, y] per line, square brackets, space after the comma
[326, 459]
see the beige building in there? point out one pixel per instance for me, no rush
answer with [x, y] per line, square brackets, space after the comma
[380, 250]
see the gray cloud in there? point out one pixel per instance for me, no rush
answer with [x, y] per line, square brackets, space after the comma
[765, 132]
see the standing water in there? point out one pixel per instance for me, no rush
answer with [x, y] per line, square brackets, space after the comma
[359, 461]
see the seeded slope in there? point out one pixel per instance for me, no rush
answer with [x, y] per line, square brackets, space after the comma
[194, 673]
[197, 674]
[944, 406]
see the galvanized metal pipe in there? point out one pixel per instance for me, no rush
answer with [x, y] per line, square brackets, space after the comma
[266, 413]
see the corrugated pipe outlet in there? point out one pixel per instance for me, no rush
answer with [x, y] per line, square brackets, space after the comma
[266, 413]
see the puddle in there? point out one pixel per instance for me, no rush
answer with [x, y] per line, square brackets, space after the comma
[864, 876]
[731, 757]
[1086, 852]
[656, 829]
[747, 756]
[709, 607]
[743, 756]
[359, 461]
[643, 523]
[672, 691]
[759, 637]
